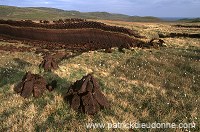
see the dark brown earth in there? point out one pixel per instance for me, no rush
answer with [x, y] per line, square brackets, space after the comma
[174, 35]
[32, 84]
[187, 26]
[85, 96]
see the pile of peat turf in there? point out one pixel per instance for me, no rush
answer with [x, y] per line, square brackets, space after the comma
[31, 84]
[49, 63]
[85, 96]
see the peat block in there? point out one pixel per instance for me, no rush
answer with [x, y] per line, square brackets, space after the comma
[31, 84]
[85, 96]
[156, 43]
[49, 63]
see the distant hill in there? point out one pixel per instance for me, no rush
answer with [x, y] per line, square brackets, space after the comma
[190, 20]
[37, 13]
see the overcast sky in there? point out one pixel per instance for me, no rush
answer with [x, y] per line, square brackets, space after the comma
[159, 8]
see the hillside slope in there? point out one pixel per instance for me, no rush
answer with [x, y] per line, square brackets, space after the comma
[36, 13]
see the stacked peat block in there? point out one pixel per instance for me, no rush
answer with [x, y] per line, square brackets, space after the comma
[85, 96]
[108, 50]
[49, 63]
[156, 43]
[31, 84]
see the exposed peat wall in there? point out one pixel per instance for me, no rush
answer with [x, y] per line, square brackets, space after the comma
[72, 25]
[86, 38]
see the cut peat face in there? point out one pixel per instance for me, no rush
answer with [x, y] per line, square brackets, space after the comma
[80, 35]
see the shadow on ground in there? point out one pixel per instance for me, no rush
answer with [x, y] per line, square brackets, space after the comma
[61, 85]
[12, 72]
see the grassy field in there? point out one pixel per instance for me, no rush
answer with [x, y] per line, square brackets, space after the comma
[142, 85]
